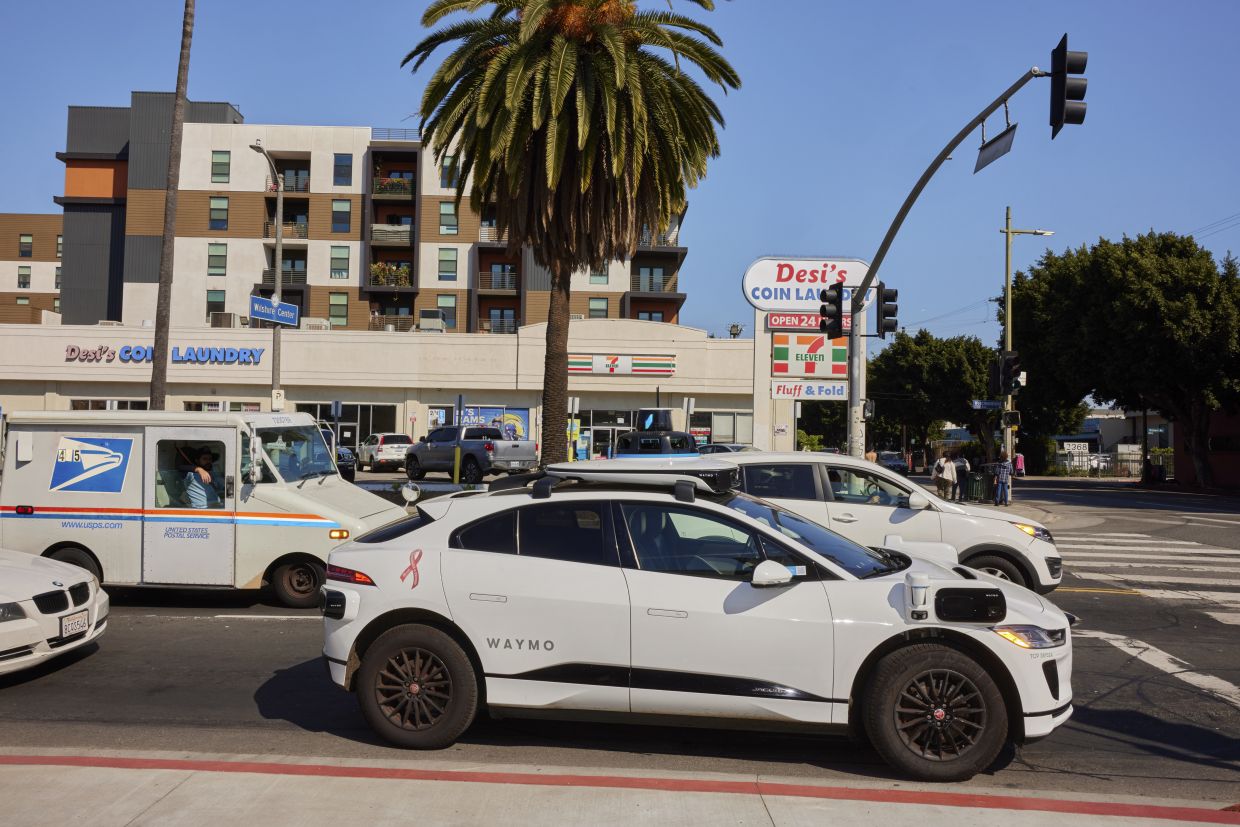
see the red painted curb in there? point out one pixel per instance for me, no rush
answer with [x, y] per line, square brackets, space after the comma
[1229, 815]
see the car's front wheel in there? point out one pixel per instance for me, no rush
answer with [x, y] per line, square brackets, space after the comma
[935, 713]
[414, 469]
[1000, 567]
[417, 688]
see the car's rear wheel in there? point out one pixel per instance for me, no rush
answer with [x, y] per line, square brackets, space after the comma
[296, 583]
[934, 713]
[471, 471]
[1000, 567]
[417, 688]
[414, 469]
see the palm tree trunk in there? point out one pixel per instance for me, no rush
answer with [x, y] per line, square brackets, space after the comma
[163, 303]
[555, 369]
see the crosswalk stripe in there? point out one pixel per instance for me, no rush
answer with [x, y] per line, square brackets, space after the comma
[1209, 519]
[1157, 658]
[1116, 534]
[1080, 557]
[1091, 550]
[1230, 618]
[1074, 564]
[1125, 541]
[1209, 597]
[1156, 578]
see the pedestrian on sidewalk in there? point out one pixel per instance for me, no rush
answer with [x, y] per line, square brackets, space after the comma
[1003, 480]
[944, 474]
[962, 475]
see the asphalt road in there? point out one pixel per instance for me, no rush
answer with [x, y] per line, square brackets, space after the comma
[227, 673]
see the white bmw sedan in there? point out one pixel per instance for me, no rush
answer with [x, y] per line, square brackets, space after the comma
[47, 608]
[661, 596]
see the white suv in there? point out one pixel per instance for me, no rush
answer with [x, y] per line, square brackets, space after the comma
[383, 450]
[868, 503]
[592, 591]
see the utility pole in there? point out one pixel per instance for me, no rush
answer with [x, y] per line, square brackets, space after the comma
[1007, 318]
[278, 178]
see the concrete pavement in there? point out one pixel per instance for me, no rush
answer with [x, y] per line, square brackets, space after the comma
[126, 788]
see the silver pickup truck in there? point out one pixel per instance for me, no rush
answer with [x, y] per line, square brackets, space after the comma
[484, 450]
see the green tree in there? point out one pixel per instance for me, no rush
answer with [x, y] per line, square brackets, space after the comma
[1148, 322]
[575, 120]
[904, 380]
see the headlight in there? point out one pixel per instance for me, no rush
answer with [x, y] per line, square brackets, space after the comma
[1036, 532]
[1031, 637]
[11, 611]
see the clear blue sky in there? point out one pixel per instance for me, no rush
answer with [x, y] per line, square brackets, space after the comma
[842, 106]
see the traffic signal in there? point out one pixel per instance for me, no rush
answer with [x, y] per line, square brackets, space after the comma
[1067, 93]
[887, 309]
[832, 311]
[1009, 372]
[1011, 419]
[994, 386]
[867, 410]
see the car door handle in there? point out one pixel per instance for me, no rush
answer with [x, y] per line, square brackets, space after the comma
[845, 518]
[488, 598]
[666, 613]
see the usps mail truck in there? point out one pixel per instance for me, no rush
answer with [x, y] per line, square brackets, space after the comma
[181, 499]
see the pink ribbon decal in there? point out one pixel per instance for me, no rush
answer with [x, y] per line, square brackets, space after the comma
[415, 557]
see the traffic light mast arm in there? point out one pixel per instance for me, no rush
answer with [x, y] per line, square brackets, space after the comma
[858, 296]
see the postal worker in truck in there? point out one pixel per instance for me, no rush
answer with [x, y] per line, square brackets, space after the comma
[203, 486]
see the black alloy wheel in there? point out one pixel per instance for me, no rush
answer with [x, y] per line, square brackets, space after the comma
[940, 715]
[413, 689]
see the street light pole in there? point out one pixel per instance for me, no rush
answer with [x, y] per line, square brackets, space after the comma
[278, 177]
[1007, 311]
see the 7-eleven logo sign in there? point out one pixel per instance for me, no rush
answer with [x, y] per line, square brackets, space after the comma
[808, 355]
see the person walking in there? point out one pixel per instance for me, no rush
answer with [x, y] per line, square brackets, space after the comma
[962, 474]
[1003, 480]
[944, 474]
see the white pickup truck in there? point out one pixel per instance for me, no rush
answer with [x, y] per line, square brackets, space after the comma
[484, 450]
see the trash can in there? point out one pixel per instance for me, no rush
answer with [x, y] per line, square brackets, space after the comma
[980, 487]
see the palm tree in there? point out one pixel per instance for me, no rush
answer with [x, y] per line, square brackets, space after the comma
[163, 299]
[575, 120]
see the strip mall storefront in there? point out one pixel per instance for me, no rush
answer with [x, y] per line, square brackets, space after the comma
[404, 382]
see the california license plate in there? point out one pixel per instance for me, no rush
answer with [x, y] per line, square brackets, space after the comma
[75, 623]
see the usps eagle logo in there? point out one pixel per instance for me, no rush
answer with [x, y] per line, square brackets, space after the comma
[91, 464]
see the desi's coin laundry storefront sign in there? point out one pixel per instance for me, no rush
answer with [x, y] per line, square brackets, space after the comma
[179, 355]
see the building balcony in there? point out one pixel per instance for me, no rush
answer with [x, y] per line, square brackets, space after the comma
[383, 133]
[671, 238]
[393, 323]
[654, 285]
[291, 231]
[299, 184]
[289, 277]
[385, 274]
[492, 235]
[391, 235]
[498, 325]
[392, 188]
[506, 282]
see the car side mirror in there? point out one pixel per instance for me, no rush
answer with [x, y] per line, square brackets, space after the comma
[769, 573]
[918, 501]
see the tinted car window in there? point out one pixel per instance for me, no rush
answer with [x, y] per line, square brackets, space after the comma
[681, 444]
[441, 435]
[677, 540]
[572, 532]
[497, 533]
[483, 433]
[396, 528]
[789, 482]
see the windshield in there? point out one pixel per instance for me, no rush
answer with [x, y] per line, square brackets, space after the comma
[298, 452]
[852, 558]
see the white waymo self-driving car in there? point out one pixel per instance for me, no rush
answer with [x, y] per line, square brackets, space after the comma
[661, 594]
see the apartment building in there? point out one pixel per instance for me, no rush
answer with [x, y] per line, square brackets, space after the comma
[30, 267]
[372, 238]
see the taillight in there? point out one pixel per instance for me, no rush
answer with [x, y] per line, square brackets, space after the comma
[380, 442]
[344, 575]
[489, 447]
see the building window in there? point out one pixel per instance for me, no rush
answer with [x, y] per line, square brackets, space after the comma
[107, 405]
[56, 304]
[341, 216]
[598, 308]
[219, 214]
[25, 245]
[650, 315]
[650, 279]
[23, 300]
[448, 173]
[338, 309]
[447, 304]
[58, 278]
[215, 302]
[447, 264]
[217, 259]
[213, 406]
[447, 218]
[342, 171]
[598, 277]
[23, 278]
[340, 262]
[221, 159]
[60, 246]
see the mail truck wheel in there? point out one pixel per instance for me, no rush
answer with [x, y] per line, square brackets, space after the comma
[75, 556]
[296, 583]
[417, 688]
[934, 713]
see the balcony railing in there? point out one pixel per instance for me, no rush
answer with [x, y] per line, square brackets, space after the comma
[486, 233]
[491, 280]
[399, 324]
[291, 184]
[391, 234]
[289, 275]
[667, 239]
[383, 133]
[393, 186]
[290, 230]
[653, 283]
[499, 325]
[386, 274]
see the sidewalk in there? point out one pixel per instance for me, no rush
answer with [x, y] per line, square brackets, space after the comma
[122, 788]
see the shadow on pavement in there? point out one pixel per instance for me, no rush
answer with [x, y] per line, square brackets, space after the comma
[49, 667]
[1181, 742]
[159, 597]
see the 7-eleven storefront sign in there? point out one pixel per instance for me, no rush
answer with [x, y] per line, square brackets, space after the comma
[795, 354]
[622, 364]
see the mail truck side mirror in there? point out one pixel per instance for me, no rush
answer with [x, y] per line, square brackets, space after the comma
[256, 460]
